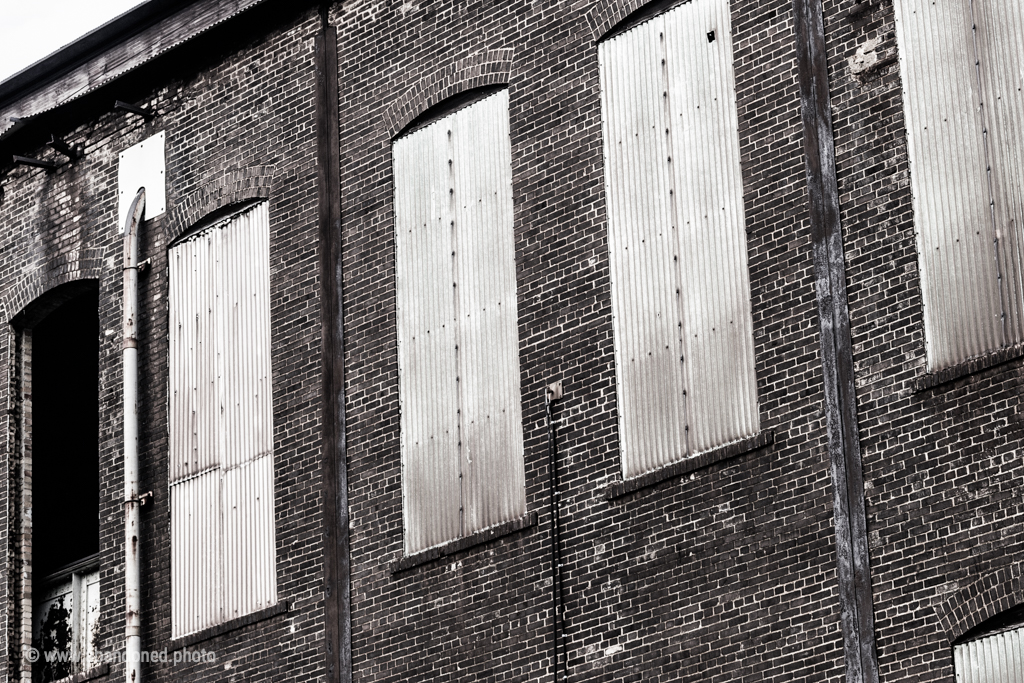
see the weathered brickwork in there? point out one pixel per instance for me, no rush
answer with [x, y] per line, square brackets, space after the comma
[941, 463]
[729, 572]
[726, 570]
[241, 128]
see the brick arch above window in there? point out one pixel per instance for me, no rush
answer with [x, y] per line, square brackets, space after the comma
[17, 301]
[980, 600]
[490, 67]
[607, 14]
[235, 187]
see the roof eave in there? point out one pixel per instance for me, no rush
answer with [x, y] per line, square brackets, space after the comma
[75, 54]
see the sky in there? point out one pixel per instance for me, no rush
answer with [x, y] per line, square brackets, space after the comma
[33, 29]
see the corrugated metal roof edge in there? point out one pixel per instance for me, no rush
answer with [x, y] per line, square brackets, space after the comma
[5, 133]
[59, 63]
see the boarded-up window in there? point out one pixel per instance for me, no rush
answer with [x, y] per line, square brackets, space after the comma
[962, 66]
[458, 344]
[680, 288]
[221, 424]
[995, 654]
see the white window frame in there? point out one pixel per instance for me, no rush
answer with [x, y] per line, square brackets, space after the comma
[75, 589]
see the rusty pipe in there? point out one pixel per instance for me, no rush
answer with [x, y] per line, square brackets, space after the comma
[132, 502]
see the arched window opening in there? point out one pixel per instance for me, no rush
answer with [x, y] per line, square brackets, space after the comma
[221, 451]
[677, 241]
[58, 350]
[992, 652]
[458, 339]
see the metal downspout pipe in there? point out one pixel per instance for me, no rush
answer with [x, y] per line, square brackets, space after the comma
[132, 501]
[552, 393]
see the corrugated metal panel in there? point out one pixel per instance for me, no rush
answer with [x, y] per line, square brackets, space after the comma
[427, 355]
[221, 432]
[680, 288]
[1000, 42]
[952, 214]
[196, 553]
[644, 245]
[458, 326]
[706, 152]
[242, 316]
[248, 569]
[193, 430]
[492, 438]
[998, 658]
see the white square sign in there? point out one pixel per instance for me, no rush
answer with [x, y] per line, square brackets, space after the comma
[142, 165]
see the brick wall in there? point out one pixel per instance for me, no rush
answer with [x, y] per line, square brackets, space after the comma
[725, 572]
[942, 476]
[242, 126]
[728, 572]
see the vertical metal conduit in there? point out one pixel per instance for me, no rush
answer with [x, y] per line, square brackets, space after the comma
[552, 393]
[130, 369]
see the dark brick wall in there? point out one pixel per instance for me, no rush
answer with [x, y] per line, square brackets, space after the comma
[725, 574]
[941, 466]
[241, 127]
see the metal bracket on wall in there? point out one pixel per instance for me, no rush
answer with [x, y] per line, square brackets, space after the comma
[71, 152]
[142, 499]
[858, 9]
[132, 109]
[38, 163]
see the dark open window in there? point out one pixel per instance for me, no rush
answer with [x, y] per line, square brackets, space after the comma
[60, 407]
[65, 424]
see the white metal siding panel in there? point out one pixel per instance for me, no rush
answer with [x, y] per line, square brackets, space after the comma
[492, 439]
[142, 165]
[248, 567]
[680, 288]
[243, 337]
[196, 554]
[718, 350]
[952, 214]
[193, 431]
[221, 423]
[1000, 41]
[644, 249]
[998, 658]
[427, 356]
